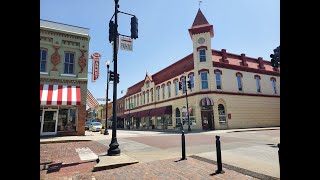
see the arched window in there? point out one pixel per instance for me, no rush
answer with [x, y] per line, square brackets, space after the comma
[239, 80]
[273, 82]
[163, 91]
[178, 118]
[148, 96]
[222, 114]
[151, 93]
[169, 89]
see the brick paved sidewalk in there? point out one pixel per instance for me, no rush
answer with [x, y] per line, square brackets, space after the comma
[69, 166]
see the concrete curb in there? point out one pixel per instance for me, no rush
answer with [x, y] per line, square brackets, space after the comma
[237, 169]
[246, 130]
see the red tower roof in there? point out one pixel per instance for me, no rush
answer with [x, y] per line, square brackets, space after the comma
[200, 20]
[200, 25]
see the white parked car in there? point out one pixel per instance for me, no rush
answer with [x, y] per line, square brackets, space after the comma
[95, 126]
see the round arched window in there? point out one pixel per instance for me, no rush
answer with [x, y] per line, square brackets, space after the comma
[222, 114]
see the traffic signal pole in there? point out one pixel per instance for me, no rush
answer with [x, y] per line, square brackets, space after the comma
[114, 145]
[189, 129]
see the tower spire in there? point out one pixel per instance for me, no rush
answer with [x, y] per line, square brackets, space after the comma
[200, 3]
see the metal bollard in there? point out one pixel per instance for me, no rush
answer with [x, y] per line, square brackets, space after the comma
[183, 146]
[279, 154]
[219, 162]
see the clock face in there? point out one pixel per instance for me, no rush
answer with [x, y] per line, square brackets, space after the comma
[201, 40]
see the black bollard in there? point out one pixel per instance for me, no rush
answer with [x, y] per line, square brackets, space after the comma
[183, 146]
[279, 154]
[219, 162]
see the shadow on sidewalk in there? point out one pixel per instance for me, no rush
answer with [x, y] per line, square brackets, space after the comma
[57, 166]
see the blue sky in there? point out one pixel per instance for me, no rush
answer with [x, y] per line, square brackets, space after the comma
[247, 26]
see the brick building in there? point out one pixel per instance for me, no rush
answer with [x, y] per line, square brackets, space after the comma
[228, 90]
[63, 78]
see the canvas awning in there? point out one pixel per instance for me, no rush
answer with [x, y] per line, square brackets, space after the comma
[59, 95]
[161, 111]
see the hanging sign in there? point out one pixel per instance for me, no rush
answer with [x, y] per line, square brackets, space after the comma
[126, 44]
[95, 66]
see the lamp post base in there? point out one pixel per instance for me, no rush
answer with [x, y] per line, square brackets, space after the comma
[114, 148]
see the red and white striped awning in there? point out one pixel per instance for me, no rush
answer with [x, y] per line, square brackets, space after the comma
[206, 102]
[91, 101]
[59, 95]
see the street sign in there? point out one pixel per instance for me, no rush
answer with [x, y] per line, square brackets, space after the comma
[101, 99]
[126, 44]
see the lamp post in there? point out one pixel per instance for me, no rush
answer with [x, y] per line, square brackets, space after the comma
[107, 99]
[129, 110]
[114, 145]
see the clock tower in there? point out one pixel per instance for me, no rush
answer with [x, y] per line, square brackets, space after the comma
[201, 33]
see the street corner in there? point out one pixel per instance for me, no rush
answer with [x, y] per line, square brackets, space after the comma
[69, 158]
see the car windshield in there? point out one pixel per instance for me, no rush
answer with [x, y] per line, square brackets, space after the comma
[88, 122]
[96, 123]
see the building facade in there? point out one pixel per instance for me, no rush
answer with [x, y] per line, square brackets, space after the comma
[227, 90]
[63, 78]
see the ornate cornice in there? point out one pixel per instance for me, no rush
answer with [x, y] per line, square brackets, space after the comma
[63, 35]
[64, 81]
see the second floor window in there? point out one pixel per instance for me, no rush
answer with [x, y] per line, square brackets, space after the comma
[191, 78]
[158, 94]
[169, 90]
[218, 80]
[184, 85]
[138, 100]
[151, 92]
[144, 98]
[134, 104]
[147, 96]
[43, 60]
[176, 87]
[273, 81]
[258, 84]
[68, 63]
[204, 80]
[163, 91]
[239, 82]
[202, 55]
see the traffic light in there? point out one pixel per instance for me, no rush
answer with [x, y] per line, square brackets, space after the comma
[111, 76]
[118, 78]
[189, 84]
[180, 85]
[134, 28]
[111, 31]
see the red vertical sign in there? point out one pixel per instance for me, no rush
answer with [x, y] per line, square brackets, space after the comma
[95, 66]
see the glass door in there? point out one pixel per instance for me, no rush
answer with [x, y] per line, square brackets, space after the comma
[49, 122]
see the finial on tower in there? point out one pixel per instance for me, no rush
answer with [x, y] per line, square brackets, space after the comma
[200, 3]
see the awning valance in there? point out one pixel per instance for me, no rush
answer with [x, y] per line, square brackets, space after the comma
[59, 95]
[206, 102]
[161, 111]
[144, 113]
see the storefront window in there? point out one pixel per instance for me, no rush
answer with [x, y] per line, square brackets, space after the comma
[67, 120]
[169, 120]
[159, 121]
[178, 119]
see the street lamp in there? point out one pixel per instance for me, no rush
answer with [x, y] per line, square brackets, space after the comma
[107, 99]
[129, 110]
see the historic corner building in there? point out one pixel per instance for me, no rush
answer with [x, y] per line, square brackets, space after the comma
[228, 90]
[63, 78]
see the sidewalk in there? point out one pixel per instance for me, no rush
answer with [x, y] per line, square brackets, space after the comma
[67, 165]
